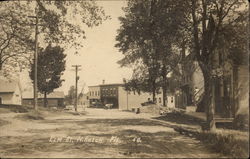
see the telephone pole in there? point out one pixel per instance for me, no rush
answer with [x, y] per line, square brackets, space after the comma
[35, 58]
[77, 78]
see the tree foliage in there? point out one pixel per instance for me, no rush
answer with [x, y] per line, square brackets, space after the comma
[148, 36]
[15, 37]
[70, 97]
[50, 67]
[210, 21]
[60, 22]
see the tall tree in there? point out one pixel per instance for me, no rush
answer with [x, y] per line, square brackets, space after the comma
[51, 65]
[70, 97]
[135, 42]
[209, 18]
[148, 36]
[15, 42]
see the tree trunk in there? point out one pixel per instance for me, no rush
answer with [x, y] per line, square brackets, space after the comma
[154, 90]
[45, 100]
[207, 103]
[206, 99]
[164, 86]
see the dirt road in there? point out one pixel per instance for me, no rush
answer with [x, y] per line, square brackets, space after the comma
[97, 133]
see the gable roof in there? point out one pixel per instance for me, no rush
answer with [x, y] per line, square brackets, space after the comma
[112, 84]
[56, 94]
[8, 86]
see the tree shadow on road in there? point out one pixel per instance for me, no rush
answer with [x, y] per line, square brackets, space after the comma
[179, 118]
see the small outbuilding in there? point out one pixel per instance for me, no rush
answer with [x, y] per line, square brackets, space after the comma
[54, 99]
[10, 92]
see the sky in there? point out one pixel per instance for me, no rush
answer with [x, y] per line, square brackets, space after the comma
[98, 57]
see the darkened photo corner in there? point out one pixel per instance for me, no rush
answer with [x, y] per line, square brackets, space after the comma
[124, 79]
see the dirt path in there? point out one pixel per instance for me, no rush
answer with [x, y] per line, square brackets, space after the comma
[98, 133]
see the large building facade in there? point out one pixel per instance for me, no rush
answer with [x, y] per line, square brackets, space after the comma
[231, 87]
[116, 95]
[94, 95]
[110, 94]
[130, 100]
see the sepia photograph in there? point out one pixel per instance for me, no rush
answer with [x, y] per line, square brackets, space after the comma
[124, 78]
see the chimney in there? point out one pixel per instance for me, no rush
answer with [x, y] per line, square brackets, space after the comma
[103, 81]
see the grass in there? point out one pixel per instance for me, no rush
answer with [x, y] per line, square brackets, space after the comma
[31, 115]
[227, 144]
[16, 108]
[226, 141]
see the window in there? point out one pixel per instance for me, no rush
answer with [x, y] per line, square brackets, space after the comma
[172, 99]
[159, 99]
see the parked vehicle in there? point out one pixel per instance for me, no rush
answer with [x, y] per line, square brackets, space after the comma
[147, 103]
[96, 105]
[108, 106]
[69, 107]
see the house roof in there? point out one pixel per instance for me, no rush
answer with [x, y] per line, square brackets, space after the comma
[56, 94]
[95, 86]
[7, 86]
[112, 84]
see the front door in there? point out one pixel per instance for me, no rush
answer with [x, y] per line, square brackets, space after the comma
[219, 109]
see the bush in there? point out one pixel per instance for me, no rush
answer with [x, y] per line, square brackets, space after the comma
[241, 121]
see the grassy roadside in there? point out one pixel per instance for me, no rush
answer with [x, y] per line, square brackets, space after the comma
[227, 144]
[233, 143]
[15, 108]
[31, 115]
[28, 113]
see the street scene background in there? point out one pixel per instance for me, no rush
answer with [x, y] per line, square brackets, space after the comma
[124, 79]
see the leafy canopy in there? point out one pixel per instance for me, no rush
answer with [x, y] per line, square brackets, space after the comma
[51, 65]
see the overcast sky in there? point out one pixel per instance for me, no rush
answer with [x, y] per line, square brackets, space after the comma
[98, 58]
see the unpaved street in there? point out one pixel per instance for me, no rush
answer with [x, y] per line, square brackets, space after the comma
[96, 133]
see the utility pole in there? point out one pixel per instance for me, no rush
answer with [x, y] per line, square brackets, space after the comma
[77, 78]
[35, 58]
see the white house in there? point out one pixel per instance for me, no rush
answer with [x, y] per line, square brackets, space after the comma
[10, 92]
[129, 100]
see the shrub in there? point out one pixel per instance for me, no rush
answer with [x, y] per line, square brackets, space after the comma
[241, 121]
